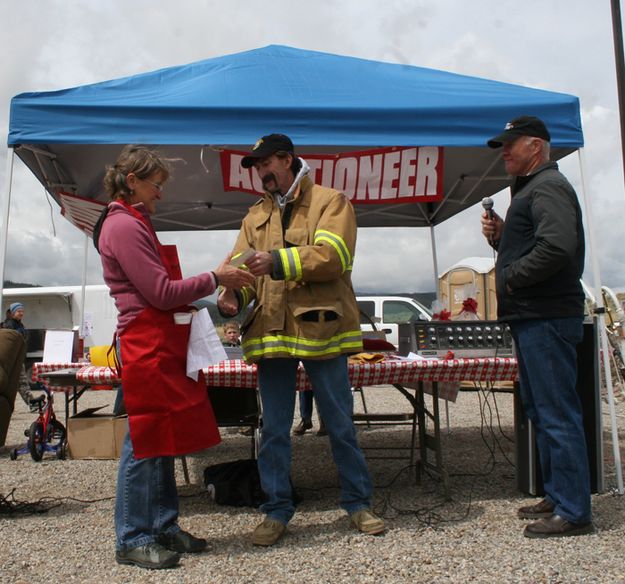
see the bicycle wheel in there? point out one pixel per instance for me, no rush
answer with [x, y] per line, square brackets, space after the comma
[36, 440]
[61, 450]
[56, 431]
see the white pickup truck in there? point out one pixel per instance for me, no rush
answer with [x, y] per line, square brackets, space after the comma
[388, 312]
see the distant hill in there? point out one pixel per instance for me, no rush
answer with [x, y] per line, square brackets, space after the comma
[11, 284]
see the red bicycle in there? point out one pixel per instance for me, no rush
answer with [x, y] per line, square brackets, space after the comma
[46, 433]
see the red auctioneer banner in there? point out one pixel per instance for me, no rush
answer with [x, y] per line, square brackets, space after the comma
[383, 175]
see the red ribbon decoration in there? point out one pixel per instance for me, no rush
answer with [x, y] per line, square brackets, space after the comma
[442, 315]
[469, 305]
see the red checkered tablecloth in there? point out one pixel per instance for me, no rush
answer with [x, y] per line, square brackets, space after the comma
[97, 375]
[236, 373]
[39, 370]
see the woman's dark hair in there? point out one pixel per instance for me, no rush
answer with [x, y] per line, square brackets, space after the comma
[138, 160]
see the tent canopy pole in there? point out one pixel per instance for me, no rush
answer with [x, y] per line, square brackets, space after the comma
[83, 291]
[434, 260]
[601, 322]
[6, 206]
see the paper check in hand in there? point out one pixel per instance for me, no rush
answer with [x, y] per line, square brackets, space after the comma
[243, 257]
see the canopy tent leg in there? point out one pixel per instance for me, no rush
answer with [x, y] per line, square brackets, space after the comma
[435, 266]
[604, 339]
[83, 290]
[6, 206]
[434, 259]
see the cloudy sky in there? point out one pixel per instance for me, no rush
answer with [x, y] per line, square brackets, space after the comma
[561, 45]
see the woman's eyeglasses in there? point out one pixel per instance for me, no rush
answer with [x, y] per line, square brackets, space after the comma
[158, 187]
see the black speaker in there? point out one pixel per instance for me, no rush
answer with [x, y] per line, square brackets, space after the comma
[528, 475]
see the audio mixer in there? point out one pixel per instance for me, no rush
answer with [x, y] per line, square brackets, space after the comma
[465, 338]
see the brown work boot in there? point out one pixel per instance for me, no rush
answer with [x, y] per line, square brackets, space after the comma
[268, 532]
[367, 522]
[537, 511]
[302, 427]
[556, 526]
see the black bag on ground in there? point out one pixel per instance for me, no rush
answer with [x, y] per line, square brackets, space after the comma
[235, 483]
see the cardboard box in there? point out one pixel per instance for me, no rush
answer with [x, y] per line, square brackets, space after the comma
[94, 435]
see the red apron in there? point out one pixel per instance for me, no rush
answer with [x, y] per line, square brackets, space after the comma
[169, 414]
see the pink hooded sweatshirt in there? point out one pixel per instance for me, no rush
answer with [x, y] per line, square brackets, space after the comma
[133, 270]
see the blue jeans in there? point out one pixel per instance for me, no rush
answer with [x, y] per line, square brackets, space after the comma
[547, 358]
[276, 378]
[146, 502]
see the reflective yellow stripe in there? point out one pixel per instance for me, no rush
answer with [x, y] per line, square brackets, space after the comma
[338, 243]
[291, 263]
[299, 347]
[298, 264]
[245, 295]
[286, 268]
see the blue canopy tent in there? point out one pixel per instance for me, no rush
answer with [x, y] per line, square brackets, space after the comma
[328, 104]
[325, 103]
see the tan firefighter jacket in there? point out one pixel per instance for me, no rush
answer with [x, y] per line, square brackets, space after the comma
[306, 309]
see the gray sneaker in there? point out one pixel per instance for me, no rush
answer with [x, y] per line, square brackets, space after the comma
[152, 556]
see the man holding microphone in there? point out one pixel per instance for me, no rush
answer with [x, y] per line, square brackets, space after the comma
[539, 265]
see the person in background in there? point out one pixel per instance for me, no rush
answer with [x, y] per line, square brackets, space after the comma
[304, 238]
[169, 414]
[232, 334]
[14, 321]
[306, 412]
[539, 265]
[232, 338]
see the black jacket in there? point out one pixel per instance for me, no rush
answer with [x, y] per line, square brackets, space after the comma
[541, 251]
[16, 325]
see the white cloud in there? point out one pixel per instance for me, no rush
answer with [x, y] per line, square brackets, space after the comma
[561, 46]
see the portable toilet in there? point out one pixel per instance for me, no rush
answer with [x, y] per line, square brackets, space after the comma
[470, 277]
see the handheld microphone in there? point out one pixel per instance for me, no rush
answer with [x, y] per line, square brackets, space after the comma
[488, 204]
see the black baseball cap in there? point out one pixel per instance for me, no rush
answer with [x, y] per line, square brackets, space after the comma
[266, 146]
[521, 126]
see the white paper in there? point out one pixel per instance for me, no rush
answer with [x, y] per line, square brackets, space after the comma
[87, 325]
[416, 357]
[58, 346]
[205, 346]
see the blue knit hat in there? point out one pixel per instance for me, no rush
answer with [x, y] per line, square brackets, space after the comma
[15, 306]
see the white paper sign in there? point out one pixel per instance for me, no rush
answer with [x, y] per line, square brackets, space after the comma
[87, 325]
[205, 346]
[58, 346]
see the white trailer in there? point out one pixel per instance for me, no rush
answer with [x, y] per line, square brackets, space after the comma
[59, 307]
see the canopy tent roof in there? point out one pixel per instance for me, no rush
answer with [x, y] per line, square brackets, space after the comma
[325, 103]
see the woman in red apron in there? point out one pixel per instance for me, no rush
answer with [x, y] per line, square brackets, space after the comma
[168, 413]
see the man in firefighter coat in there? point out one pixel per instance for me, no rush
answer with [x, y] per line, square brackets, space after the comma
[303, 238]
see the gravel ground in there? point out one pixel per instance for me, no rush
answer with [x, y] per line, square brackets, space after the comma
[473, 537]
